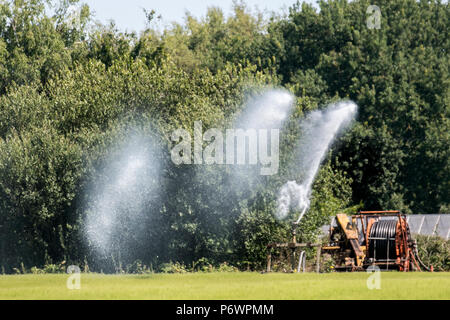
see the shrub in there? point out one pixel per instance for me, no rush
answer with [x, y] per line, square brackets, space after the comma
[54, 268]
[173, 268]
[225, 267]
[138, 267]
[434, 251]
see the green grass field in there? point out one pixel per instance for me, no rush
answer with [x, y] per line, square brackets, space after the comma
[224, 286]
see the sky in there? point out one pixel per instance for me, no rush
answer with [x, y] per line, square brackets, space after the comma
[129, 16]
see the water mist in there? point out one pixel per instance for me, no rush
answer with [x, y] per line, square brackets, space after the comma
[121, 200]
[265, 112]
[268, 110]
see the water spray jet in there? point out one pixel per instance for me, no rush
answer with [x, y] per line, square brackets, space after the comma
[319, 130]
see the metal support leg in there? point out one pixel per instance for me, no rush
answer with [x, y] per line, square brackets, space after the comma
[319, 251]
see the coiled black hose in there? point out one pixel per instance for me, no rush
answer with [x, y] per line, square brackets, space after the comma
[382, 240]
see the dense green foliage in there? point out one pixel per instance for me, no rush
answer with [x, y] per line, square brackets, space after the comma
[434, 251]
[71, 93]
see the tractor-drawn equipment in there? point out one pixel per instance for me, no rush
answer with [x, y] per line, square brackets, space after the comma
[373, 238]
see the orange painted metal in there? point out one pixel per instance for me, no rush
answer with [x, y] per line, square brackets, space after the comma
[404, 258]
[379, 212]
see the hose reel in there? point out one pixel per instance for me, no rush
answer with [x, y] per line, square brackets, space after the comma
[390, 243]
[382, 240]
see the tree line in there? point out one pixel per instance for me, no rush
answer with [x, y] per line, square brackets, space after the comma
[70, 93]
